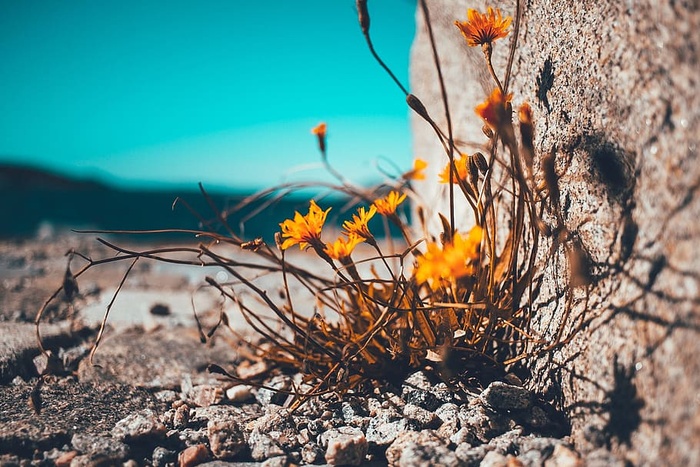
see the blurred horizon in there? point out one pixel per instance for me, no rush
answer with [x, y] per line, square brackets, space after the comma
[148, 95]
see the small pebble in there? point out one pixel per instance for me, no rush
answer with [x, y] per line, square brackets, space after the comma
[239, 393]
[65, 459]
[193, 455]
[502, 396]
[345, 446]
[137, 426]
[225, 438]
[161, 457]
[205, 395]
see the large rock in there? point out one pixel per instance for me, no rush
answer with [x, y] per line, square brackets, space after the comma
[613, 86]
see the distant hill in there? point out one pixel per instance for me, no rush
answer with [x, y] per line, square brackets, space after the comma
[24, 178]
[31, 197]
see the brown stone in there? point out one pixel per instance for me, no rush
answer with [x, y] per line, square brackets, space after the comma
[193, 455]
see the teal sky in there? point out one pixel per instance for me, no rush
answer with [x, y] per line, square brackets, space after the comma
[224, 92]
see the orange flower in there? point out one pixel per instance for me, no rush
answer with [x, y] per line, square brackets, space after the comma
[416, 173]
[320, 132]
[442, 265]
[387, 206]
[495, 110]
[358, 224]
[462, 166]
[304, 230]
[483, 29]
[342, 248]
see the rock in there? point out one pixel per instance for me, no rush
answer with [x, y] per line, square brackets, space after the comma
[383, 429]
[239, 393]
[65, 459]
[311, 453]
[354, 412]
[226, 438]
[193, 455]
[104, 447]
[424, 417]
[138, 426]
[417, 380]
[449, 417]
[161, 457]
[191, 437]
[415, 449]
[167, 395]
[613, 89]
[483, 421]
[264, 446]
[502, 396]
[471, 456]
[345, 446]
[275, 418]
[464, 436]
[507, 443]
[181, 416]
[271, 396]
[424, 399]
[200, 416]
[204, 395]
[535, 450]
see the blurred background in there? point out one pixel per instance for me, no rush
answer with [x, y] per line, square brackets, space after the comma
[111, 109]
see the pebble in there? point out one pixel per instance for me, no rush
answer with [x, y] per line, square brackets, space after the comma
[417, 380]
[424, 417]
[271, 396]
[192, 437]
[137, 426]
[205, 395]
[65, 459]
[311, 453]
[193, 455]
[345, 446]
[263, 446]
[161, 457]
[384, 428]
[416, 449]
[226, 438]
[423, 399]
[503, 396]
[239, 393]
[105, 447]
[484, 422]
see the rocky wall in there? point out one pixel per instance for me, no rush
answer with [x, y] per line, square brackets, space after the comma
[613, 86]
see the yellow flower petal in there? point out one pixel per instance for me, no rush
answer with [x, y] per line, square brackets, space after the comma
[387, 206]
[484, 28]
[304, 230]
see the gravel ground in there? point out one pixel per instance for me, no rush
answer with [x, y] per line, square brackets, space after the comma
[149, 400]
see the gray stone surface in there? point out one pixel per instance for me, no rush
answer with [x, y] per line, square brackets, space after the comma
[614, 91]
[19, 346]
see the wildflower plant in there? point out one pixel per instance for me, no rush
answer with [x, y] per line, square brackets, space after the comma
[447, 301]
